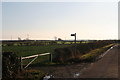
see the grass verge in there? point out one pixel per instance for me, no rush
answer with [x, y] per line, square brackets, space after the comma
[91, 56]
[31, 74]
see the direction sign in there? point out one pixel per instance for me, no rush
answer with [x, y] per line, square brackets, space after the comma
[72, 34]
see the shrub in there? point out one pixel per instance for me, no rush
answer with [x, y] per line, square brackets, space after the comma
[74, 53]
[10, 65]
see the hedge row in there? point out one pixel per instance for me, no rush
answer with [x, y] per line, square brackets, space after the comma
[10, 65]
[74, 52]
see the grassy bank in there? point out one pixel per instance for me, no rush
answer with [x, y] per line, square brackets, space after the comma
[91, 56]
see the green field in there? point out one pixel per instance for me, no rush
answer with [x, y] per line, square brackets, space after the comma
[59, 55]
[31, 50]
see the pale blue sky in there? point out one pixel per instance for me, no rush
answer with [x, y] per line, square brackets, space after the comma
[45, 20]
[60, 0]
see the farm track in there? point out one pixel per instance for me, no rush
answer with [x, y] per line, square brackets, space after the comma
[106, 67]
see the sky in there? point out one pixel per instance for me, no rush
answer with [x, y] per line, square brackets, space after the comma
[45, 20]
[60, 0]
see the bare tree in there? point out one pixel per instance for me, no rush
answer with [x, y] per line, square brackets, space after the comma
[19, 38]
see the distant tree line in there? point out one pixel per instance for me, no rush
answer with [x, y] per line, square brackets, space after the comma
[45, 42]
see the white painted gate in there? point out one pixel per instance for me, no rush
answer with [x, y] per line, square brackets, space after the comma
[33, 56]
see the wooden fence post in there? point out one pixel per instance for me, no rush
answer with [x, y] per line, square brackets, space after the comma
[21, 66]
[50, 57]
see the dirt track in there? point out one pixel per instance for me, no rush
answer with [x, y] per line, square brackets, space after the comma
[106, 67]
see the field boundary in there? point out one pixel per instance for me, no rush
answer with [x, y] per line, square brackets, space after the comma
[97, 53]
[102, 55]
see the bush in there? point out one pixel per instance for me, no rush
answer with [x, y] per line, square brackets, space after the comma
[66, 54]
[10, 65]
[73, 53]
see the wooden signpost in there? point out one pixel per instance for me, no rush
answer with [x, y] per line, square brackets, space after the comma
[75, 42]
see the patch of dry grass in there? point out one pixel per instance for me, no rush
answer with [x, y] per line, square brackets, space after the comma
[90, 56]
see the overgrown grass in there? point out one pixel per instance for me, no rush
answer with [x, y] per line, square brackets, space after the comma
[73, 53]
[91, 56]
[31, 74]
